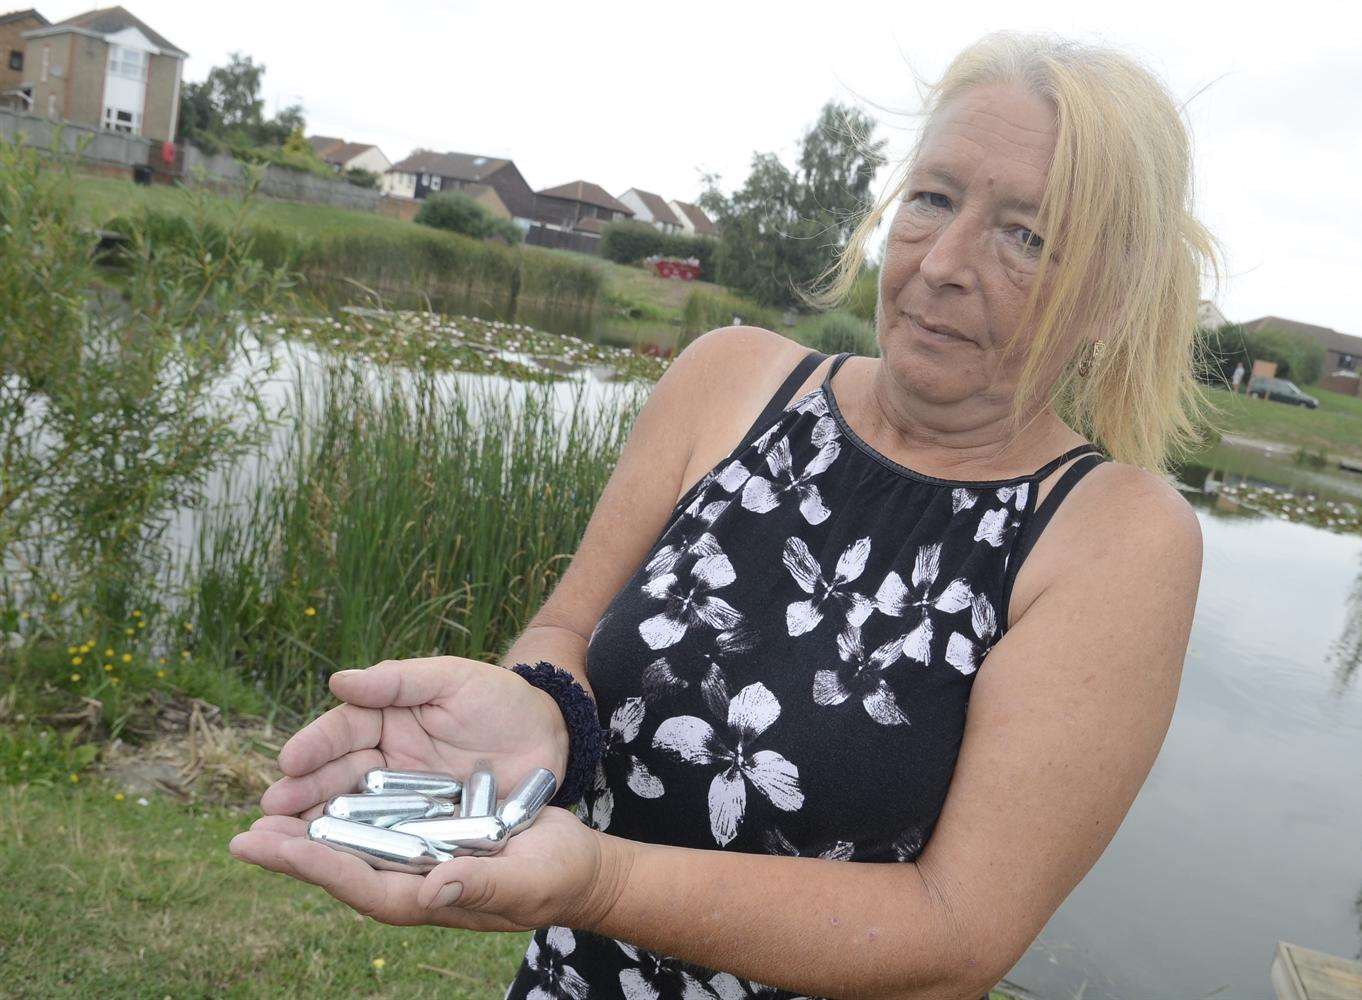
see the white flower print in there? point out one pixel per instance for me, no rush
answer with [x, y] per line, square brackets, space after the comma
[701, 663]
[694, 741]
[557, 979]
[730, 987]
[894, 597]
[862, 677]
[689, 601]
[962, 499]
[654, 976]
[804, 616]
[689, 535]
[961, 651]
[907, 845]
[598, 800]
[995, 523]
[625, 723]
[778, 843]
[763, 495]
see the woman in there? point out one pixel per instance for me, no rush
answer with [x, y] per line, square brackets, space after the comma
[784, 655]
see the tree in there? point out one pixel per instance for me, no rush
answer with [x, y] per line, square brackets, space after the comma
[226, 108]
[782, 228]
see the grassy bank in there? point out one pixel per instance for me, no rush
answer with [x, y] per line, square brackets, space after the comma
[1335, 427]
[149, 903]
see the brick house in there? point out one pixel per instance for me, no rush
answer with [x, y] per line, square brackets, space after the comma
[425, 172]
[1342, 351]
[12, 27]
[652, 209]
[106, 69]
[574, 215]
[341, 155]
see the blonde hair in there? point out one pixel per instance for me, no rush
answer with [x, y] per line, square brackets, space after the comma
[1119, 232]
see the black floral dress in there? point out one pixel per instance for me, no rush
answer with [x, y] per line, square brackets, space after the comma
[788, 670]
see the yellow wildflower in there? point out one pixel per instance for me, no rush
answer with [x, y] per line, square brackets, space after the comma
[189, 626]
[108, 652]
[75, 778]
[161, 660]
[108, 666]
[75, 677]
[378, 963]
[160, 673]
[309, 611]
[126, 657]
[113, 681]
[56, 596]
[137, 614]
[142, 623]
[75, 661]
[71, 650]
[129, 631]
[184, 654]
[118, 796]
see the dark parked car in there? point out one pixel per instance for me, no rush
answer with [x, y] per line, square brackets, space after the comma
[1282, 390]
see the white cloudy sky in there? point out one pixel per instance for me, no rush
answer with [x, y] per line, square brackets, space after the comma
[651, 95]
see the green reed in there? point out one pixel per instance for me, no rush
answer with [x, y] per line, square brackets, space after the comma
[403, 518]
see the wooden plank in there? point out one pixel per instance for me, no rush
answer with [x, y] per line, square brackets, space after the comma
[1300, 973]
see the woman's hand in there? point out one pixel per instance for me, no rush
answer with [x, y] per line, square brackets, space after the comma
[556, 871]
[440, 713]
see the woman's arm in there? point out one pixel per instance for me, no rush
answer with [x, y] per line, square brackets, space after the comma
[1066, 717]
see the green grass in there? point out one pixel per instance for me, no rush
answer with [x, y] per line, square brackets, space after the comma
[1336, 426]
[111, 898]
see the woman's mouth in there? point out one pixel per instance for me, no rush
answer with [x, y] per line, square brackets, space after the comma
[931, 334]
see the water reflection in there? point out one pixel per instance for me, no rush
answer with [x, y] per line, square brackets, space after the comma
[1247, 830]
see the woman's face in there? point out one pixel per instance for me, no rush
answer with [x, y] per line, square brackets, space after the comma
[962, 249]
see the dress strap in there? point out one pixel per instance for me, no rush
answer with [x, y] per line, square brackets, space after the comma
[1035, 524]
[1059, 460]
[782, 395]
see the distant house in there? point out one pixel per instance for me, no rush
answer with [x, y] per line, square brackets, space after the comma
[1342, 351]
[1208, 316]
[342, 155]
[425, 172]
[107, 69]
[13, 93]
[578, 208]
[694, 221]
[652, 209]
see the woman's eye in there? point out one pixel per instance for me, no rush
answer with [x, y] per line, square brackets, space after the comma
[1031, 242]
[934, 194]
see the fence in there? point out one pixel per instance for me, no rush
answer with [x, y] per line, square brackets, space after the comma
[557, 239]
[99, 145]
[222, 170]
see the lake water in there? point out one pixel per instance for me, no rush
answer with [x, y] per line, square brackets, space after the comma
[1249, 829]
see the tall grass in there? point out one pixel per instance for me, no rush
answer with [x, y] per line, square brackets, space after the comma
[402, 519]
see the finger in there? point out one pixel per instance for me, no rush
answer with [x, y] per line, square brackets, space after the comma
[289, 826]
[339, 731]
[386, 896]
[291, 795]
[468, 883]
[261, 847]
[404, 683]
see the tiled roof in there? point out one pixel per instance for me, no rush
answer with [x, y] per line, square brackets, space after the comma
[697, 217]
[1329, 338]
[19, 15]
[345, 152]
[588, 194]
[110, 21]
[656, 206]
[460, 166]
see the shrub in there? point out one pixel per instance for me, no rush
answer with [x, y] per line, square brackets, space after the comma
[1298, 358]
[456, 212]
[629, 242]
[706, 310]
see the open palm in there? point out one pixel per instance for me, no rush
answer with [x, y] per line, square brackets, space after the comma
[442, 713]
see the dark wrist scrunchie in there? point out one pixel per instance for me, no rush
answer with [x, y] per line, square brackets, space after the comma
[585, 736]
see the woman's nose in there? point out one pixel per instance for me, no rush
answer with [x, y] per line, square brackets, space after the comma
[950, 255]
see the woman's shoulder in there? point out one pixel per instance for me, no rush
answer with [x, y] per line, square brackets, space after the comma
[1138, 504]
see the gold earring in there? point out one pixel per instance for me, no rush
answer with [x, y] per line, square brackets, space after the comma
[1095, 352]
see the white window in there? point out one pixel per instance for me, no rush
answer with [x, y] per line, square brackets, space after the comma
[52, 105]
[130, 63]
[118, 120]
[435, 182]
[47, 58]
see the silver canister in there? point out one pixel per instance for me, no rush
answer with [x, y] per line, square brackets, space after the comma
[387, 809]
[380, 781]
[526, 799]
[480, 794]
[459, 835]
[384, 849]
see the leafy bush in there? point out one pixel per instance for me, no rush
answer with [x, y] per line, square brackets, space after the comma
[628, 242]
[360, 177]
[456, 212]
[1298, 358]
[864, 294]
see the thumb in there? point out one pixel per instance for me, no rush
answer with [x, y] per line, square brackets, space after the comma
[464, 882]
[401, 683]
